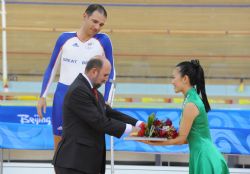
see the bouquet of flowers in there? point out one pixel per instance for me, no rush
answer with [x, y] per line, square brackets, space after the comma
[158, 128]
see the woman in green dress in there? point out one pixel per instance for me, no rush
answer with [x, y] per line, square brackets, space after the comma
[188, 78]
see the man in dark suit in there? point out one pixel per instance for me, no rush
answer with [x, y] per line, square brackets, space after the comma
[86, 120]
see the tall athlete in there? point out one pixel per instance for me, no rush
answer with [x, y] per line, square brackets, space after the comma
[72, 52]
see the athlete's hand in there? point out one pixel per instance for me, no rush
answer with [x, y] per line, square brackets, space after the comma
[41, 107]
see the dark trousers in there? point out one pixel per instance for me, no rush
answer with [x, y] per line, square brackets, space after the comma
[61, 170]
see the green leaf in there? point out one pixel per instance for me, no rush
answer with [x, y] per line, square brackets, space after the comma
[151, 119]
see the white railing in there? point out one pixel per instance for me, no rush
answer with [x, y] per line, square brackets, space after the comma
[4, 47]
[4, 56]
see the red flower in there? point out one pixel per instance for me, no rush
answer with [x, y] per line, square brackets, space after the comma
[162, 133]
[142, 125]
[175, 134]
[141, 133]
[157, 122]
[169, 122]
[157, 128]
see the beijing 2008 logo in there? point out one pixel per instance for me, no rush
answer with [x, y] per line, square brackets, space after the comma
[28, 119]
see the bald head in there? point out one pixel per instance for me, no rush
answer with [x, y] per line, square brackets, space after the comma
[97, 62]
[98, 70]
[106, 63]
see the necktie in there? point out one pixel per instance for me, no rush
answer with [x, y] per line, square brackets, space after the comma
[95, 93]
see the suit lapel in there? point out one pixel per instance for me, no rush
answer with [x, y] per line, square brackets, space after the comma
[99, 103]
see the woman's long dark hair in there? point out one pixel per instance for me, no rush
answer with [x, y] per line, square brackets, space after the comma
[195, 73]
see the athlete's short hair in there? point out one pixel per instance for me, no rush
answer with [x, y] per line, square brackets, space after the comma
[93, 7]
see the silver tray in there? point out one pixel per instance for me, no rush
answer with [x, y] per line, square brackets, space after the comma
[145, 138]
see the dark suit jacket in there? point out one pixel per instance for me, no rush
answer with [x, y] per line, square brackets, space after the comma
[85, 123]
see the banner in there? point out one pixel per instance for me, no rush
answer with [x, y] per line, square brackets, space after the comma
[21, 128]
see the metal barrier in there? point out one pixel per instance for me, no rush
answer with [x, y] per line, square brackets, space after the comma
[1, 161]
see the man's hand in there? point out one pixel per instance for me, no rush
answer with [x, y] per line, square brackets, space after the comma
[135, 131]
[41, 107]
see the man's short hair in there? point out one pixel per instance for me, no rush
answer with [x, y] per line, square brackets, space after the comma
[94, 63]
[93, 7]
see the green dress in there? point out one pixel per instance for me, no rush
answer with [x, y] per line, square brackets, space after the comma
[204, 157]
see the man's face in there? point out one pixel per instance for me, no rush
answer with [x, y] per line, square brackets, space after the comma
[94, 23]
[102, 75]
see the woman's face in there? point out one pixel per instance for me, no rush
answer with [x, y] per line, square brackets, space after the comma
[177, 80]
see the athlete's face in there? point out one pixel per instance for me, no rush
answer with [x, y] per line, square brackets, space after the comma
[94, 23]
